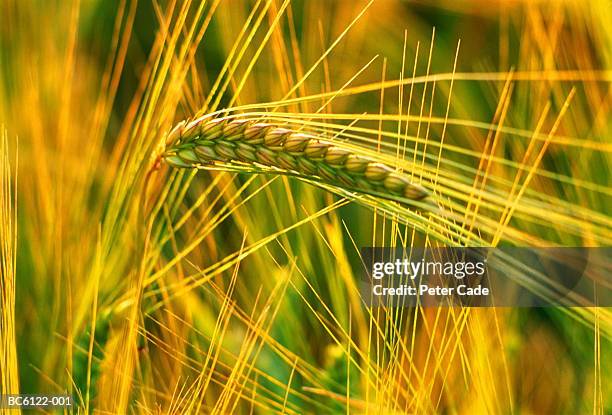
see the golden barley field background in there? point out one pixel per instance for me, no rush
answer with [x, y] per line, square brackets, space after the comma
[137, 286]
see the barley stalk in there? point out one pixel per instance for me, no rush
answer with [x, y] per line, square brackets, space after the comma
[209, 141]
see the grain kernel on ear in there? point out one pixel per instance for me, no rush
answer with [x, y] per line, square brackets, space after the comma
[377, 171]
[177, 162]
[356, 164]
[246, 146]
[307, 166]
[276, 137]
[233, 130]
[188, 154]
[287, 161]
[205, 153]
[255, 133]
[191, 129]
[225, 151]
[316, 148]
[326, 172]
[415, 192]
[345, 178]
[336, 156]
[363, 184]
[297, 142]
[266, 156]
[395, 182]
[176, 133]
[245, 154]
[212, 129]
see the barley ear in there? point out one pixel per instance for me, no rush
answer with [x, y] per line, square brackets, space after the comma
[217, 140]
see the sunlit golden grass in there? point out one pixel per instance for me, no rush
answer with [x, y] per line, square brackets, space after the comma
[143, 288]
[9, 378]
